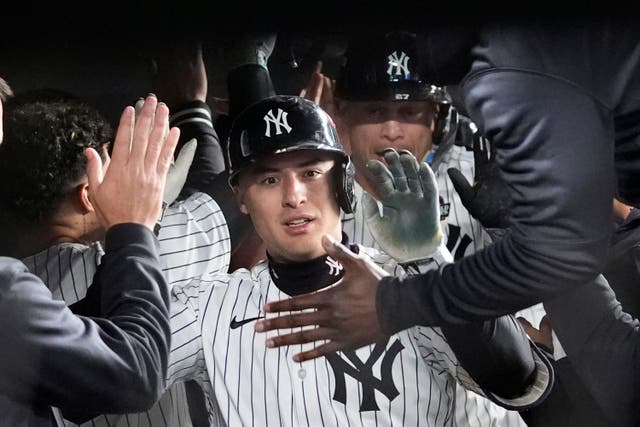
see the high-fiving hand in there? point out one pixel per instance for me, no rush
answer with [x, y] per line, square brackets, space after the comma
[408, 228]
[488, 199]
[131, 188]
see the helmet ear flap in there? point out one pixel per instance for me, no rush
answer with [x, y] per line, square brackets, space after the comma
[345, 191]
[445, 123]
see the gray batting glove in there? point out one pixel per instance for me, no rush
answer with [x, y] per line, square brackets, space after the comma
[178, 172]
[407, 225]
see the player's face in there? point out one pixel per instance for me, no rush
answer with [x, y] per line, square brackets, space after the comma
[291, 200]
[371, 127]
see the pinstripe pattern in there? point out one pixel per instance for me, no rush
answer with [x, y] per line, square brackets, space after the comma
[414, 373]
[194, 240]
[463, 235]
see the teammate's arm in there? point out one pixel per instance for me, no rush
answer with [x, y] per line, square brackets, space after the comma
[116, 363]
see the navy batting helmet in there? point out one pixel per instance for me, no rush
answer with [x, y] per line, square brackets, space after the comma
[282, 124]
[384, 67]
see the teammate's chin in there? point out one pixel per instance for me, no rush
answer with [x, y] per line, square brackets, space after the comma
[298, 247]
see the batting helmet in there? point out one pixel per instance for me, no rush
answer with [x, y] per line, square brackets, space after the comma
[282, 124]
[384, 67]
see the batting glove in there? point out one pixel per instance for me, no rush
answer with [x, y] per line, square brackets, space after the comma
[406, 220]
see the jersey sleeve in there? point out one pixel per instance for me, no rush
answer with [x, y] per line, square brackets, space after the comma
[194, 239]
[86, 366]
[437, 354]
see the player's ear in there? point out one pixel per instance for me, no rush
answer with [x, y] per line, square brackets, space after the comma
[239, 194]
[82, 198]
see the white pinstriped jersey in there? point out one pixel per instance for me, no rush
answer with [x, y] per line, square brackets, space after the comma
[462, 235]
[194, 240]
[409, 380]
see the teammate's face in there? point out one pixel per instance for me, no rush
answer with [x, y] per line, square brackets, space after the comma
[372, 127]
[291, 200]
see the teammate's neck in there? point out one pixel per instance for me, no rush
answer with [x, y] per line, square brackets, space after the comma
[295, 278]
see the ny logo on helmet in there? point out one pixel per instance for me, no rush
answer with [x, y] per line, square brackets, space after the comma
[278, 120]
[400, 65]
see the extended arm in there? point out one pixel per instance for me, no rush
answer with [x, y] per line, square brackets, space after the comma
[89, 366]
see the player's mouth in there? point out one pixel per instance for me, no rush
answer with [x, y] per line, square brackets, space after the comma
[298, 224]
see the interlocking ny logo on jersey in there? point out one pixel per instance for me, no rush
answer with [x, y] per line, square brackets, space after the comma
[398, 66]
[334, 266]
[277, 120]
[363, 372]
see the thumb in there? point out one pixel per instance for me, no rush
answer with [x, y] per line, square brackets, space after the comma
[337, 250]
[94, 168]
[462, 186]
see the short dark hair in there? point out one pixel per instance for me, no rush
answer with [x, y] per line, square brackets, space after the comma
[46, 134]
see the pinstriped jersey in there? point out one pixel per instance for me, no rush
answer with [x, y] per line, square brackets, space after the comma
[194, 240]
[462, 236]
[406, 380]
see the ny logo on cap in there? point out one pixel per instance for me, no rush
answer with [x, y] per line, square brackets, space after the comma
[400, 65]
[278, 120]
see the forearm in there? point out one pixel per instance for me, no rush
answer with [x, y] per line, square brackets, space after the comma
[496, 353]
[84, 366]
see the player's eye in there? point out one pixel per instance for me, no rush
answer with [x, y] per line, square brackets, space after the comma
[269, 180]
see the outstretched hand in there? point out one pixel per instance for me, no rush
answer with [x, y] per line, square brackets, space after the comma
[131, 188]
[408, 228]
[345, 316]
[488, 199]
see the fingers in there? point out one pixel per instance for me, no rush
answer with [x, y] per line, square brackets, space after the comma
[410, 166]
[460, 183]
[157, 134]
[382, 178]
[94, 167]
[320, 351]
[124, 135]
[392, 158]
[428, 183]
[338, 251]
[297, 303]
[142, 127]
[290, 321]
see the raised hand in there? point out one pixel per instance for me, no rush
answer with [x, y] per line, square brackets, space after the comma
[488, 199]
[179, 73]
[130, 189]
[345, 315]
[408, 228]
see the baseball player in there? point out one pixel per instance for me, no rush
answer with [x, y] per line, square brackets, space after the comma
[193, 235]
[291, 176]
[381, 102]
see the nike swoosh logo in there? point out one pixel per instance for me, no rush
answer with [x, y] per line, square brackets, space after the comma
[237, 323]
